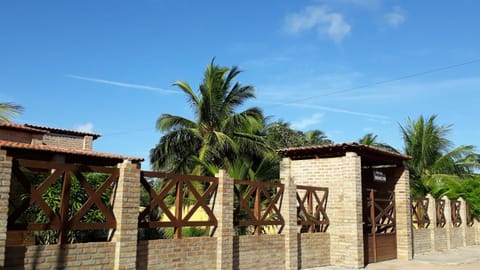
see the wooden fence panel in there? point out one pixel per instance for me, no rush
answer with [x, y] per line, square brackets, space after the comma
[440, 211]
[311, 210]
[420, 218]
[257, 204]
[47, 202]
[171, 194]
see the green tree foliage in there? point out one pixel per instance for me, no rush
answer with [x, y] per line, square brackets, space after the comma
[426, 142]
[8, 110]
[280, 135]
[435, 167]
[218, 133]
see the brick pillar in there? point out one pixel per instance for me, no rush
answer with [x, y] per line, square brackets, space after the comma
[223, 211]
[125, 209]
[463, 216]
[345, 212]
[432, 214]
[448, 221]
[289, 214]
[403, 217]
[5, 176]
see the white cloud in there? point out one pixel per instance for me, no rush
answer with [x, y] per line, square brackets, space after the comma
[314, 119]
[125, 85]
[87, 127]
[320, 18]
[337, 110]
[395, 17]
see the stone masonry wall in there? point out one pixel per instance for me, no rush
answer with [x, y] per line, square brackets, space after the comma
[74, 256]
[314, 250]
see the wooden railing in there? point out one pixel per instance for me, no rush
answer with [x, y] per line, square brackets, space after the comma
[257, 204]
[311, 209]
[455, 213]
[440, 212]
[420, 218]
[58, 196]
[174, 192]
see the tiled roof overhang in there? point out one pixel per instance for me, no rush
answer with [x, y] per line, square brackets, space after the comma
[45, 152]
[371, 155]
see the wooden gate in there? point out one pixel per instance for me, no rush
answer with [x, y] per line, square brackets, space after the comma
[380, 237]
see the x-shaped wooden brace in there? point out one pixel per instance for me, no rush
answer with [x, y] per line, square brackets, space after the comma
[157, 200]
[36, 197]
[94, 198]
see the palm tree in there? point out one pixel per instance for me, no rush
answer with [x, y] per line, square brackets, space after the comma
[316, 137]
[370, 139]
[8, 110]
[218, 133]
[434, 165]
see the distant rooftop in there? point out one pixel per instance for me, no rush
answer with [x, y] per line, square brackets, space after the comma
[64, 131]
[21, 127]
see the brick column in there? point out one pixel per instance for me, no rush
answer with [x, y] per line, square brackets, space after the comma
[463, 216]
[403, 217]
[5, 176]
[289, 214]
[345, 212]
[448, 221]
[223, 211]
[432, 214]
[125, 209]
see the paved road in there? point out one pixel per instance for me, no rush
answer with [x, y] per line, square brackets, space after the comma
[465, 258]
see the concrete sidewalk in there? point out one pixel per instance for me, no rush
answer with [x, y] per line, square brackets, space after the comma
[464, 258]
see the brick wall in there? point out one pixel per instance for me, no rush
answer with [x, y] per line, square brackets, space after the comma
[188, 253]
[314, 250]
[456, 239]
[74, 256]
[16, 136]
[422, 241]
[67, 141]
[441, 240]
[471, 233]
[259, 252]
[342, 176]
[449, 237]
[5, 173]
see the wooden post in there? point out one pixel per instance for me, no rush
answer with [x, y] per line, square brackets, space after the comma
[178, 209]
[374, 224]
[257, 209]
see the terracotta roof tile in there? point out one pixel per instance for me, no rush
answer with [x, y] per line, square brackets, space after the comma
[16, 145]
[21, 127]
[337, 150]
[63, 131]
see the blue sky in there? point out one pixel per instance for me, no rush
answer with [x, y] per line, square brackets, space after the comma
[108, 66]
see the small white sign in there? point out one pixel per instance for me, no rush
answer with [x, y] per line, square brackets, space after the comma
[379, 176]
